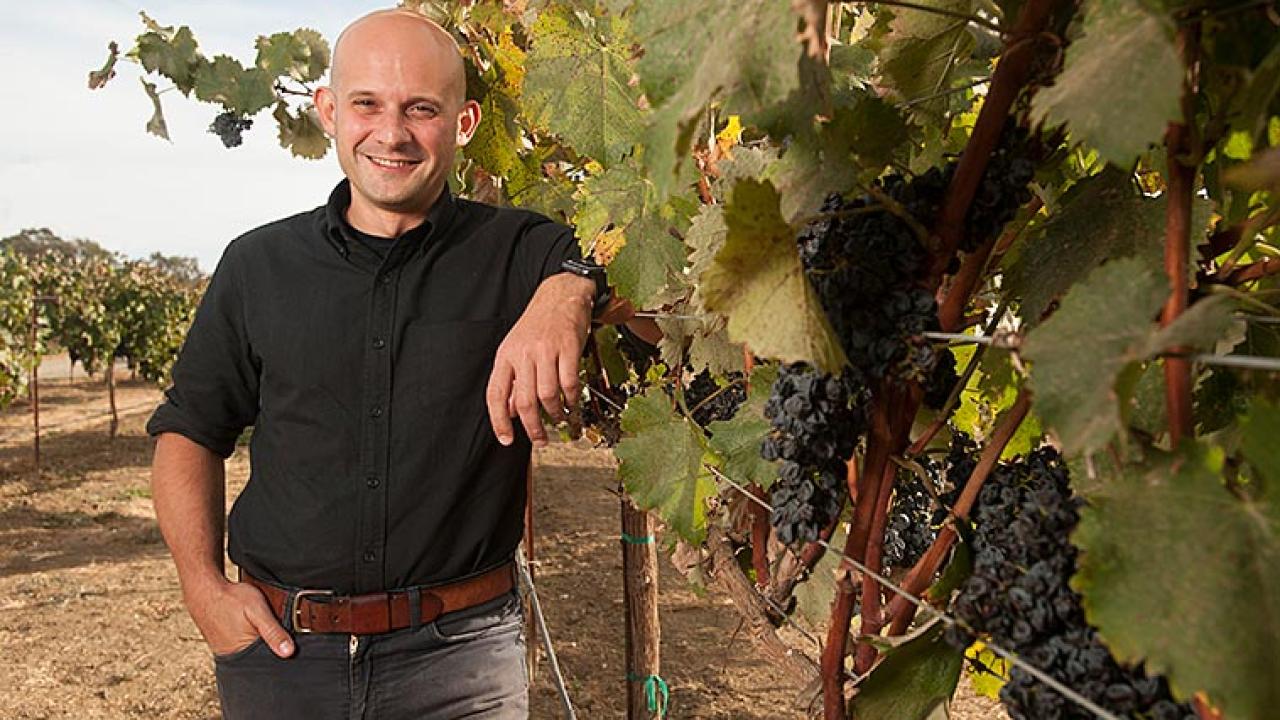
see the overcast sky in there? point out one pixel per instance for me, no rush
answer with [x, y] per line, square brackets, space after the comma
[79, 161]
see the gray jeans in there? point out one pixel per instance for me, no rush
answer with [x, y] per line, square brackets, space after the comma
[466, 664]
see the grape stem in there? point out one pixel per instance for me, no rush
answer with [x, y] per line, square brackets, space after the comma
[1181, 185]
[973, 269]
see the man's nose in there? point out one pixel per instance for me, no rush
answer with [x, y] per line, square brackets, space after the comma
[393, 129]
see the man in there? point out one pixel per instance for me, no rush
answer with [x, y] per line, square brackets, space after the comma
[384, 505]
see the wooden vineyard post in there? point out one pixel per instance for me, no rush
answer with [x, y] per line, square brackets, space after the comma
[646, 691]
[35, 380]
[111, 395]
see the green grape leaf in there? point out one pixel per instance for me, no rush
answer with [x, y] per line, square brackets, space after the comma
[988, 672]
[302, 54]
[496, 146]
[922, 52]
[743, 55]
[156, 125]
[737, 440]
[912, 681]
[226, 81]
[1251, 105]
[1146, 411]
[757, 281]
[623, 200]
[1086, 356]
[707, 233]
[1103, 217]
[661, 463]
[1167, 542]
[173, 56]
[301, 133]
[700, 341]
[815, 595]
[577, 85]
[1258, 433]
[835, 155]
[1120, 83]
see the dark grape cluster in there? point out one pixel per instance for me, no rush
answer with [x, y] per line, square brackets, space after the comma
[1005, 187]
[709, 401]
[229, 127]
[909, 530]
[1019, 596]
[864, 262]
[817, 419]
[914, 516]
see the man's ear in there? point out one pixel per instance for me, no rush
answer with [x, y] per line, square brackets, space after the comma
[468, 120]
[326, 104]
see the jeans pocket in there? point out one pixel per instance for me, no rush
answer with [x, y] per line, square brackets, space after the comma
[240, 654]
[494, 616]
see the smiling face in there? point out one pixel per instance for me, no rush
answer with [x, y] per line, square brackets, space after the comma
[397, 112]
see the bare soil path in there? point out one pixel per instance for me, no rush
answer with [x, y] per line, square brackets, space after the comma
[92, 623]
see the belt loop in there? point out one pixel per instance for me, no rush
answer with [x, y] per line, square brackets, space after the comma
[290, 600]
[415, 607]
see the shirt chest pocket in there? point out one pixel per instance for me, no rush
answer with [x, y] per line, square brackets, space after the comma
[451, 362]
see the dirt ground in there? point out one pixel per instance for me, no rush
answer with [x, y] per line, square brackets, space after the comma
[92, 621]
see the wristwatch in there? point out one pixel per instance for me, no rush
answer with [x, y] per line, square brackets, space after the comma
[594, 272]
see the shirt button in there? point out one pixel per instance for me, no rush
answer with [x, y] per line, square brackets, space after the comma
[372, 482]
[375, 412]
[379, 343]
[370, 556]
[384, 279]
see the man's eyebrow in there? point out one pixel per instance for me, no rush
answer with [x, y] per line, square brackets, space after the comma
[412, 100]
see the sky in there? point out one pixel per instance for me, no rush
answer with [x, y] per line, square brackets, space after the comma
[79, 161]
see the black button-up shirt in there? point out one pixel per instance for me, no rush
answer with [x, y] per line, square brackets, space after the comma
[373, 465]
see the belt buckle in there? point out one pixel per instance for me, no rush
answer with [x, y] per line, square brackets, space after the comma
[294, 608]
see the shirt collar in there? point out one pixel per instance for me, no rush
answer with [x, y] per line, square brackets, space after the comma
[338, 230]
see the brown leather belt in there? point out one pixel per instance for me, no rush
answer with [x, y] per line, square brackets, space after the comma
[321, 611]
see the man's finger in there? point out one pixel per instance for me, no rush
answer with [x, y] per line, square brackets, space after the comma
[526, 393]
[269, 628]
[569, 385]
[498, 397]
[548, 381]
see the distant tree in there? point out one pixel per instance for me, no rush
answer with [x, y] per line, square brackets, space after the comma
[34, 243]
[185, 270]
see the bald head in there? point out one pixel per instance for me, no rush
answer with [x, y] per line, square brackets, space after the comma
[384, 36]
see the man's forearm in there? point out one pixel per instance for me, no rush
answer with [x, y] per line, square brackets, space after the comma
[187, 488]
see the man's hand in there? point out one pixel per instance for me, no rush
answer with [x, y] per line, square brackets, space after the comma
[537, 363]
[231, 616]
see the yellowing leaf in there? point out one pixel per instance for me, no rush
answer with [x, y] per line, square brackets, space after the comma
[758, 282]
[608, 243]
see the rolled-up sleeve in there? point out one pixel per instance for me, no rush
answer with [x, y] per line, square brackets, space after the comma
[214, 395]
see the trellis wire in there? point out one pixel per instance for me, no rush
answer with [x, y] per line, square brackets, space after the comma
[943, 617]
[541, 622]
[1248, 362]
